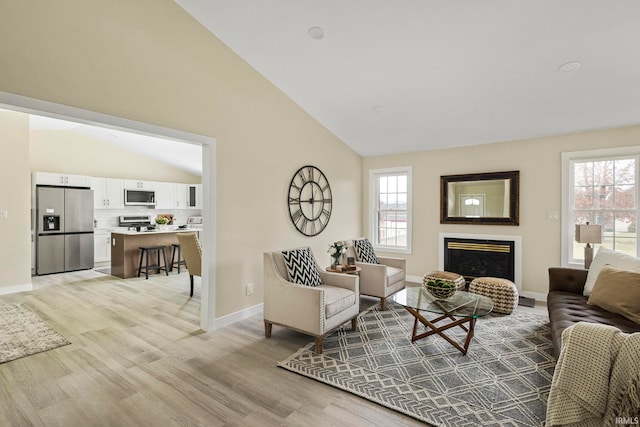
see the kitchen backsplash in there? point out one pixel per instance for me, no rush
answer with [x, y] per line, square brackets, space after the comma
[109, 218]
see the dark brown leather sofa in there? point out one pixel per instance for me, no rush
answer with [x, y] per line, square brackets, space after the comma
[567, 305]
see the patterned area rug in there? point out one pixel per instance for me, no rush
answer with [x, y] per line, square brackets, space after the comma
[503, 380]
[23, 333]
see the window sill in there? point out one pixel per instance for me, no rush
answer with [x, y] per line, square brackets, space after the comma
[393, 250]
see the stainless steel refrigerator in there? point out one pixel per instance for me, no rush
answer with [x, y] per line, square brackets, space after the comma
[64, 238]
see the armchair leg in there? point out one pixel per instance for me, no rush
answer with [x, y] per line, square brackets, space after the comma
[319, 344]
[354, 324]
[383, 304]
[191, 280]
[267, 329]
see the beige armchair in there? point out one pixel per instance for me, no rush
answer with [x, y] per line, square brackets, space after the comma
[192, 253]
[313, 310]
[379, 280]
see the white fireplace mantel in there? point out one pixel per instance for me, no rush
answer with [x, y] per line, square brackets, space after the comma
[517, 243]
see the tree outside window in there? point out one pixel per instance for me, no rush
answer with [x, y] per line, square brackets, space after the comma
[604, 193]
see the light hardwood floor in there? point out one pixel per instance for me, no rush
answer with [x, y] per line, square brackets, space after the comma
[138, 358]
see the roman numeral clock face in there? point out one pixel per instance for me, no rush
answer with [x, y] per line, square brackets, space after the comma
[309, 200]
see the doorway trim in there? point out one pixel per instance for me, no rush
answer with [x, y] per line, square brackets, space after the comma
[58, 111]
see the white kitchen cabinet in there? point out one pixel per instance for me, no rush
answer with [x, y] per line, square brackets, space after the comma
[170, 195]
[181, 196]
[165, 195]
[63, 180]
[102, 246]
[114, 190]
[134, 184]
[194, 196]
[108, 193]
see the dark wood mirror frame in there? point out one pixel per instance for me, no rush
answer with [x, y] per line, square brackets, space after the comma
[514, 193]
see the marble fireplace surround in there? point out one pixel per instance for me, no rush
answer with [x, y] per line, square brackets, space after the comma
[517, 248]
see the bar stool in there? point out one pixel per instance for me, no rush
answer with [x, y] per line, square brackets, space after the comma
[144, 255]
[176, 248]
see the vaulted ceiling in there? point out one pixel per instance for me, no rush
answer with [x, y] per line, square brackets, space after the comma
[410, 75]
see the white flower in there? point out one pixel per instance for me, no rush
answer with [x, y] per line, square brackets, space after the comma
[332, 250]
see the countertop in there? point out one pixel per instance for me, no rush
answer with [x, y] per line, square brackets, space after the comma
[137, 233]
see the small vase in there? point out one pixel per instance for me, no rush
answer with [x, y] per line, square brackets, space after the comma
[334, 263]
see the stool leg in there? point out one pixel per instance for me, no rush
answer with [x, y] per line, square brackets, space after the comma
[146, 270]
[179, 257]
[140, 263]
[164, 255]
[173, 257]
[191, 279]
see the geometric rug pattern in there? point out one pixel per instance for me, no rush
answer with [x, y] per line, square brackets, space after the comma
[23, 333]
[503, 380]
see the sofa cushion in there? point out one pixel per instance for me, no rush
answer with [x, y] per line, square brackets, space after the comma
[569, 308]
[301, 267]
[337, 299]
[606, 256]
[365, 252]
[617, 291]
[394, 275]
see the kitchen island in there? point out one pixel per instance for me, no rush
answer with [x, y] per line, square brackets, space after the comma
[125, 248]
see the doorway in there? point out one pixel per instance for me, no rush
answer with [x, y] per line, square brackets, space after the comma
[208, 145]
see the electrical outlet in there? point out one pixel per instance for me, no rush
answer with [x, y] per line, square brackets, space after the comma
[552, 216]
[249, 289]
[4, 214]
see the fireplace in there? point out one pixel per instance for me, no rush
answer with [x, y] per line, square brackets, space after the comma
[481, 256]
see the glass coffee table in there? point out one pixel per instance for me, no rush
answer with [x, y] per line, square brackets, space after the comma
[461, 308]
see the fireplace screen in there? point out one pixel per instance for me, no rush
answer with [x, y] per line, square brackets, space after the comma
[479, 258]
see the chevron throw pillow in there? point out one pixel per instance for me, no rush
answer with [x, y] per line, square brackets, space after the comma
[365, 251]
[301, 267]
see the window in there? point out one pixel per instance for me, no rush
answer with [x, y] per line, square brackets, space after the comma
[602, 189]
[391, 209]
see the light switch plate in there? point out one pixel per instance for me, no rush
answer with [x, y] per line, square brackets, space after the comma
[552, 216]
[4, 214]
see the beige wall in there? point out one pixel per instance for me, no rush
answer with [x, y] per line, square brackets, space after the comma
[149, 61]
[15, 198]
[67, 151]
[539, 163]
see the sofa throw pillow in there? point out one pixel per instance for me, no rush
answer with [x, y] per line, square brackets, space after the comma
[365, 252]
[301, 267]
[617, 291]
[606, 256]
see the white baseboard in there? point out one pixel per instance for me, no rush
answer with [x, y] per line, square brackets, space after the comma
[232, 318]
[15, 289]
[535, 295]
[413, 279]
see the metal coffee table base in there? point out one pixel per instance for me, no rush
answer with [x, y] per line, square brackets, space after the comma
[433, 329]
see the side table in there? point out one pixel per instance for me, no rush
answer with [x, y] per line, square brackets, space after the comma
[356, 271]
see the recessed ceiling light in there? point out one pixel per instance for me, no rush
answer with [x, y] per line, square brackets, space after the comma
[378, 109]
[316, 33]
[570, 67]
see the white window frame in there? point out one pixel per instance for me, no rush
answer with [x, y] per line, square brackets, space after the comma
[373, 204]
[568, 227]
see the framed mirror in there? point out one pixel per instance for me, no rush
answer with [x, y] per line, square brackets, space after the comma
[480, 198]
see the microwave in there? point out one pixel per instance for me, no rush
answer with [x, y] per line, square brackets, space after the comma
[139, 197]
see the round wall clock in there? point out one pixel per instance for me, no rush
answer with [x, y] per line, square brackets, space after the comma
[309, 200]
